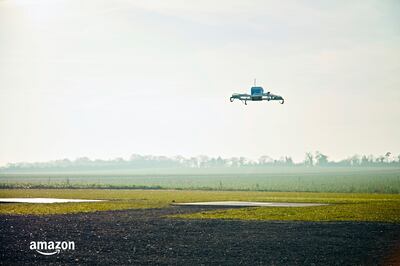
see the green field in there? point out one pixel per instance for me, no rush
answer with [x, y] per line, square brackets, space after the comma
[355, 194]
[300, 179]
[344, 206]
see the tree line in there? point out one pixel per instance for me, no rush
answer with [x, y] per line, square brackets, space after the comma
[316, 159]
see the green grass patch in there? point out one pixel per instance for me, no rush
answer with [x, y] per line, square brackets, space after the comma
[385, 211]
[344, 206]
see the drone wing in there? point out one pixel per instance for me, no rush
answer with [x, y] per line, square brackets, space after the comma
[241, 96]
[272, 97]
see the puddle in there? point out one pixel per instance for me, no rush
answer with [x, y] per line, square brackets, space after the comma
[43, 200]
[250, 204]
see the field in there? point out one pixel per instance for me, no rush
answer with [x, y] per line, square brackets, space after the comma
[139, 226]
[344, 206]
[285, 179]
[151, 237]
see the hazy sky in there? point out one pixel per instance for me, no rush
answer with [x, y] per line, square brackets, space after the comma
[105, 79]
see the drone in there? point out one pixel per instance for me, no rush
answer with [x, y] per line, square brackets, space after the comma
[257, 94]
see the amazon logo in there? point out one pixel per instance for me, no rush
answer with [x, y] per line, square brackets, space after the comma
[49, 248]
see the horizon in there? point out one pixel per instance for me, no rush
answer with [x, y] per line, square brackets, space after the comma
[386, 158]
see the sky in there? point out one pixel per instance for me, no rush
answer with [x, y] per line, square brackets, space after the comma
[107, 79]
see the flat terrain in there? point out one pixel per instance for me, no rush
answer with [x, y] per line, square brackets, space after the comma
[342, 206]
[148, 236]
[141, 227]
[299, 179]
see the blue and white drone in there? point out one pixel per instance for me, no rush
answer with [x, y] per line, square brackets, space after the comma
[257, 94]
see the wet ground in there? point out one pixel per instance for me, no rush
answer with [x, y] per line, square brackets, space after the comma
[146, 237]
[43, 200]
[249, 204]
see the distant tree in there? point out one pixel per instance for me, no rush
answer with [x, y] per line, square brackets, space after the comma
[380, 159]
[387, 156]
[234, 162]
[135, 157]
[82, 160]
[192, 162]
[288, 160]
[58, 163]
[119, 160]
[149, 161]
[212, 162]
[265, 159]
[180, 159]
[355, 160]
[365, 161]
[321, 159]
[309, 160]
[203, 159]
[242, 161]
[219, 161]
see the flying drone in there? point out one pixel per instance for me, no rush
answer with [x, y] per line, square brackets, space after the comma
[256, 94]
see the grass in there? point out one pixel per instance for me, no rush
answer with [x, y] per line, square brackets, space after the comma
[303, 179]
[367, 212]
[344, 206]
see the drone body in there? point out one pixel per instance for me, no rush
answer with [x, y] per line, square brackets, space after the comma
[256, 94]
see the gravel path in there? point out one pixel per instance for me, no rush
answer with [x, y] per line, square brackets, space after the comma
[144, 237]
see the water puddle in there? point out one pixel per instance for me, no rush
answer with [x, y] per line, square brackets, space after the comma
[43, 200]
[250, 204]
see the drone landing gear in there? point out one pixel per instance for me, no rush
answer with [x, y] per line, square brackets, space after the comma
[243, 101]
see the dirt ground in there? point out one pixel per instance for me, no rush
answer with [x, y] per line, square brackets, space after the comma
[146, 237]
